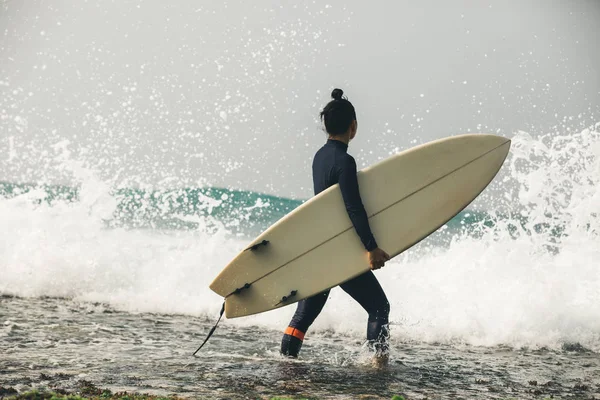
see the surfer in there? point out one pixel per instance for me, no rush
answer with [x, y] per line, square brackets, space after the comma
[332, 165]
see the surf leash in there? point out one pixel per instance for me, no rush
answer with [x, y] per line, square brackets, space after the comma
[252, 248]
[212, 330]
[236, 291]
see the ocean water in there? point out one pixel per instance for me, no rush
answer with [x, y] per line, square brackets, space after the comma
[94, 276]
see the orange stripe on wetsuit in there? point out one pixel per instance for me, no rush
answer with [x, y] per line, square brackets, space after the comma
[294, 332]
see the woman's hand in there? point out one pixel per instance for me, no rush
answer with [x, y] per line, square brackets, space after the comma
[377, 258]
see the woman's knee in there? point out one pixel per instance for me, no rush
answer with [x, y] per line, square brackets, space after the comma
[381, 312]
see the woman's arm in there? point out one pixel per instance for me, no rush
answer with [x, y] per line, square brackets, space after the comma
[356, 211]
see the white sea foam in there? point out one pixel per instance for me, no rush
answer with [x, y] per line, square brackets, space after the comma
[532, 279]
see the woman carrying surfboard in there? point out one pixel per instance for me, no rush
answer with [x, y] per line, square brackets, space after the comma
[333, 165]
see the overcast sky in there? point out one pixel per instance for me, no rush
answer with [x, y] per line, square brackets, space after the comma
[227, 93]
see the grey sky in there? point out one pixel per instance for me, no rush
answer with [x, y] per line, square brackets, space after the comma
[227, 93]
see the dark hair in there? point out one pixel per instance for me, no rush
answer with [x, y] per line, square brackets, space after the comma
[338, 114]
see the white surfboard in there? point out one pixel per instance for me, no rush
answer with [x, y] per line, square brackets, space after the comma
[315, 247]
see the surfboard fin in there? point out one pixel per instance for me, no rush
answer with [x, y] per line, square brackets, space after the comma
[286, 298]
[238, 290]
[257, 245]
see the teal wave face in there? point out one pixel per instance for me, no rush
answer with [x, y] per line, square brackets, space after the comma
[241, 213]
[238, 211]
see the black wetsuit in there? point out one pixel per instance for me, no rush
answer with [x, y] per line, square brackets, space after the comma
[331, 165]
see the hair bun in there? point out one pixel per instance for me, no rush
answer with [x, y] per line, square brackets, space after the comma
[337, 94]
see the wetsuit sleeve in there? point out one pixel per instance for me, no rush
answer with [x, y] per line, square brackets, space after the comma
[356, 211]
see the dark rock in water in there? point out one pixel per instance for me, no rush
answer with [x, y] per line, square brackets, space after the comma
[550, 384]
[87, 388]
[575, 347]
[7, 391]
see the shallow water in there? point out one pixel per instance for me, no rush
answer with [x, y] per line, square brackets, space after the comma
[57, 343]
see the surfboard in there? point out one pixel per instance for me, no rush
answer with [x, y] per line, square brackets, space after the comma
[315, 247]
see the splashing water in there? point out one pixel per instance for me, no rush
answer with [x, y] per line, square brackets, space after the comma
[521, 271]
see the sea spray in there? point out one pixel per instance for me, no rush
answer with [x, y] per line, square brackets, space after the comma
[520, 269]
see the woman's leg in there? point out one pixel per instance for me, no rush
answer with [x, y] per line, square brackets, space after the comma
[367, 291]
[306, 313]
